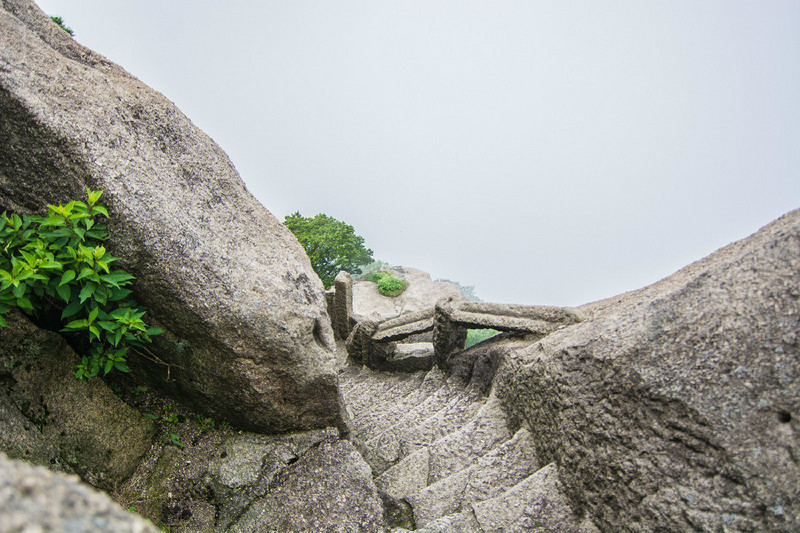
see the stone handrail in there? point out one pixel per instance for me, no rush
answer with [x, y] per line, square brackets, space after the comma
[373, 344]
[405, 325]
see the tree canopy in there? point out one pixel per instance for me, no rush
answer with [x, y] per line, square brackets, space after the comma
[331, 244]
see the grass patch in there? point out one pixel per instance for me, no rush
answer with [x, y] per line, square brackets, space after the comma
[474, 336]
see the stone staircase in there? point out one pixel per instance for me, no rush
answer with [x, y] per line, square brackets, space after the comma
[442, 453]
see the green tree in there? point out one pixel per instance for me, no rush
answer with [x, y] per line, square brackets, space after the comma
[331, 245]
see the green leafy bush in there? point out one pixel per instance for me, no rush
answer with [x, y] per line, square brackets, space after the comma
[331, 245]
[388, 285]
[391, 286]
[57, 263]
[474, 336]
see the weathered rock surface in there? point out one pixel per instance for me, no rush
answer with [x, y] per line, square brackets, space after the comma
[60, 419]
[677, 407]
[422, 293]
[248, 337]
[211, 482]
[34, 499]
[328, 489]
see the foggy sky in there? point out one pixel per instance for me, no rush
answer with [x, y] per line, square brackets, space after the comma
[546, 152]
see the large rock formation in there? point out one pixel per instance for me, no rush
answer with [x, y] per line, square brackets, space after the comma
[35, 499]
[53, 419]
[248, 339]
[422, 293]
[677, 407]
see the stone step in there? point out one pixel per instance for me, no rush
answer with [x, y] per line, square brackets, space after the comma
[464, 522]
[448, 454]
[410, 357]
[384, 414]
[352, 377]
[437, 400]
[495, 472]
[360, 398]
[535, 504]
[416, 430]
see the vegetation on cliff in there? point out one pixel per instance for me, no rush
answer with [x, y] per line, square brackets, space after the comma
[56, 264]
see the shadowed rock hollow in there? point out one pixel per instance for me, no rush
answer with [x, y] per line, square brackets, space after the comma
[248, 339]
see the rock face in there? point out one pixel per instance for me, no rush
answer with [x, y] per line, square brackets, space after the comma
[677, 407]
[328, 489]
[248, 338]
[422, 293]
[35, 499]
[57, 419]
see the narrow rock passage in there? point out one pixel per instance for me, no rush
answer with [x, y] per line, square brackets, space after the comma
[442, 451]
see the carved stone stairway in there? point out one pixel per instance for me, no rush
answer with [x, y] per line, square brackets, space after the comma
[442, 454]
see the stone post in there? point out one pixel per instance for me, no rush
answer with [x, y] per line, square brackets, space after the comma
[448, 337]
[342, 304]
[359, 342]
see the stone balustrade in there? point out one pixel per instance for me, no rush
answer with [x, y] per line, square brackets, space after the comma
[373, 344]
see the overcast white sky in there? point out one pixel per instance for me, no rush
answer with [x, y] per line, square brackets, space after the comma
[547, 152]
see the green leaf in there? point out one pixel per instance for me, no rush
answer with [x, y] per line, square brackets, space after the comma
[85, 273]
[71, 310]
[19, 290]
[101, 295]
[154, 331]
[54, 221]
[108, 367]
[65, 292]
[116, 277]
[107, 325]
[55, 265]
[93, 196]
[76, 324]
[96, 332]
[87, 292]
[100, 210]
[3, 323]
[68, 276]
[93, 314]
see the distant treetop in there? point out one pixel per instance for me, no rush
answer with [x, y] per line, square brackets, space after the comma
[331, 245]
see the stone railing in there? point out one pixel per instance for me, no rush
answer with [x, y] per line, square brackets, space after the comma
[375, 343]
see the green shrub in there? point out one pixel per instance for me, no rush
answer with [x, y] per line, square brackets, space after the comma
[388, 285]
[391, 286]
[474, 336]
[57, 263]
